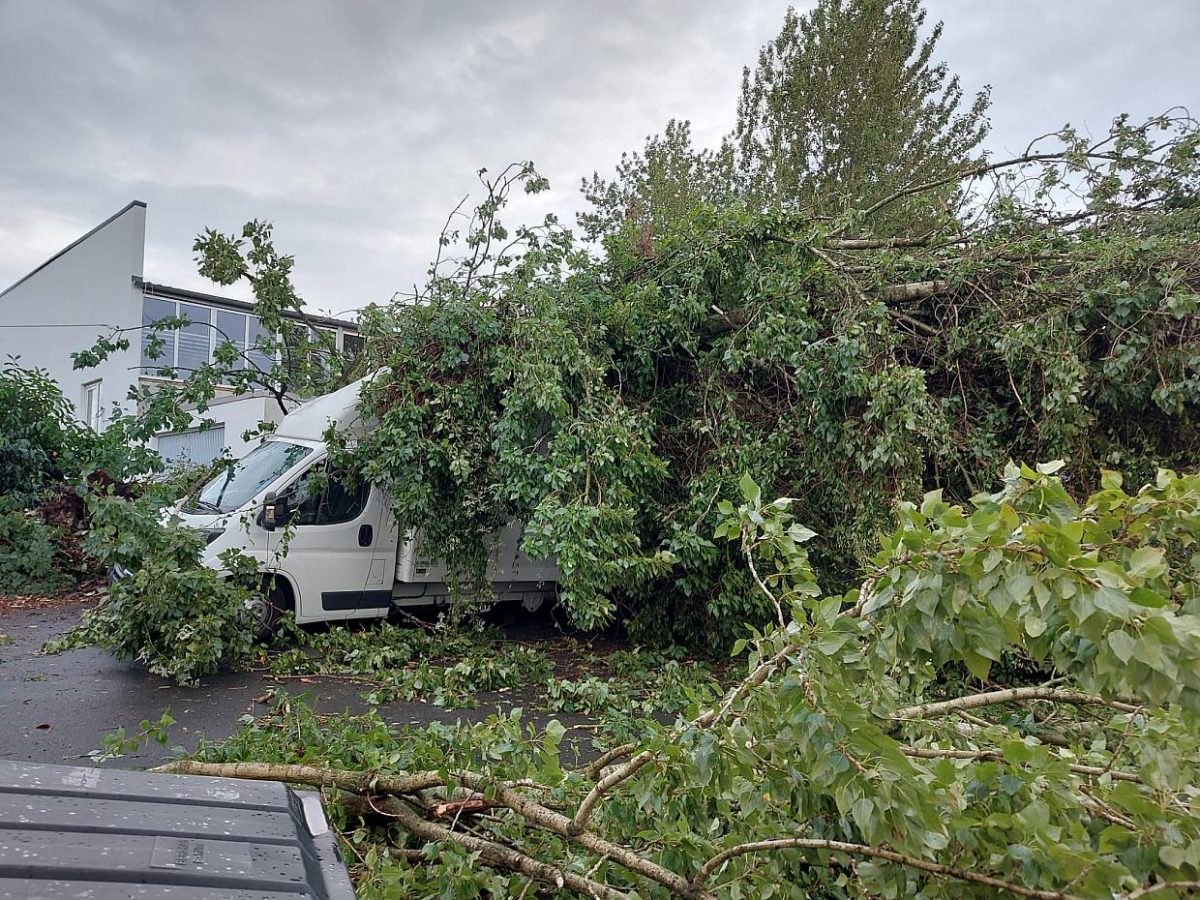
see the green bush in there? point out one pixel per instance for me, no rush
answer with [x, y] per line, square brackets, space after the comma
[31, 556]
[181, 619]
[41, 442]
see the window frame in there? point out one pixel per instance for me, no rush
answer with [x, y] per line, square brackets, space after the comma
[319, 518]
[93, 413]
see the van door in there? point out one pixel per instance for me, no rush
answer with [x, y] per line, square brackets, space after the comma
[332, 556]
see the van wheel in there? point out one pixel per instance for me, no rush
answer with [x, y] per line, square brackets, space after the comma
[535, 602]
[531, 602]
[267, 609]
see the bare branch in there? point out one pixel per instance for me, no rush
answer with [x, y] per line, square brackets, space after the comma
[1012, 695]
[892, 243]
[549, 820]
[608, 758]
[913, 323]
[916, 290]
[316, 776]
[979, 171]
[748, 552]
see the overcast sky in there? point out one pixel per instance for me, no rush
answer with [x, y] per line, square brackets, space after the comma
[355, 125]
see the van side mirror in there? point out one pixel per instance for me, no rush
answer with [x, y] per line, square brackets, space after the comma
[276, 511]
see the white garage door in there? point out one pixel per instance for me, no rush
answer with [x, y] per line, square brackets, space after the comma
[192, 446]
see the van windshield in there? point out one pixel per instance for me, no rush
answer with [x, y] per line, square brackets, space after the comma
[239, 483]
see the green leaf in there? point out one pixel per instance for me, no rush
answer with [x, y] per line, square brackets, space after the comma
[1111, 600]
[1149, 650]
[1171, 856]
[750, 490]
[555, 731]
[1035, 625]
[1019, 586]
[1145, 597]
[863, 812]
[1122, 645]
[1147, 562]
[979, 666]
[801, 534]
[1017, 752]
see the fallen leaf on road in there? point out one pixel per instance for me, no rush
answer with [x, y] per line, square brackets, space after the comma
[45, 726]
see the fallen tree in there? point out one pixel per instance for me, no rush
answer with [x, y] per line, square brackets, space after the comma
[882, 742]
[1051, 313]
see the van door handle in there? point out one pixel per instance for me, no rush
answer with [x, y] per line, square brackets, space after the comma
[365, 535]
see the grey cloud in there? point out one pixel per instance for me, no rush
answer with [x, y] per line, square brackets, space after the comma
[356, 126]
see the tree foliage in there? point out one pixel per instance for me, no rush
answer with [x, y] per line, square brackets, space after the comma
[659, 188]
[292, 358]
[32, 555]
[610, 402]
[847, 105]
[179, 618]
[41, 442]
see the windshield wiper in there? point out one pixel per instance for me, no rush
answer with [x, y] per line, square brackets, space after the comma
[205, 505]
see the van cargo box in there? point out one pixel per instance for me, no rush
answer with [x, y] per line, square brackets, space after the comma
[68, 831]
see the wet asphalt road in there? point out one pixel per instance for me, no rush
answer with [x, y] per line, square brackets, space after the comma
[56, 708]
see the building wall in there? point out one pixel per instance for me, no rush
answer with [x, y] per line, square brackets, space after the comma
[81, 293]
[96, 285]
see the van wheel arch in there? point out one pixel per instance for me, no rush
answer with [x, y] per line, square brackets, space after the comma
[277, 599]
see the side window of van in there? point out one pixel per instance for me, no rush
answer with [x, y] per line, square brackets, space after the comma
[343, 503]
[326, 500]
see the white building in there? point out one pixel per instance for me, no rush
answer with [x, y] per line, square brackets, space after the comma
[96, 285]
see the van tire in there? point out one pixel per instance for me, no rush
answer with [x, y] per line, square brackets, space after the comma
[269, 607]
[532, 602]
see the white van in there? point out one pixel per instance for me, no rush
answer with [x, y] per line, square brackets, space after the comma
[345, 558]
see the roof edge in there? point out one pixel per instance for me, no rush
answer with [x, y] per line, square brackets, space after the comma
[75, 243]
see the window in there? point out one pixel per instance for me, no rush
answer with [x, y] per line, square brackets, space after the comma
[154, 309]
[192, 346]
[195, 338]
[93, 412]
[231, 329]
[320, 344]
[352, 345]
[336, 503]
[258, 338]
